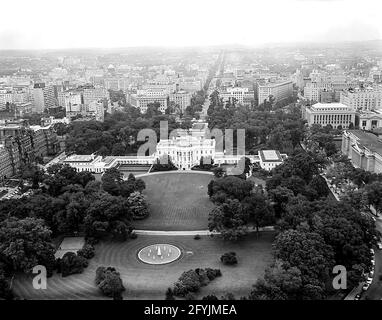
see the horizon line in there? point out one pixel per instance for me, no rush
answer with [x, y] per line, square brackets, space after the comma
[267, 44]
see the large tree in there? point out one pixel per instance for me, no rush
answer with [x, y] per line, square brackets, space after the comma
[258, 210]
[232, 187]
[373, 192]
[108, 215]
[308, 252]
[112, 180]
[25, 243]
[228, 218]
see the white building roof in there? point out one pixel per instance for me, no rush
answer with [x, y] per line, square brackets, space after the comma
[80, 158]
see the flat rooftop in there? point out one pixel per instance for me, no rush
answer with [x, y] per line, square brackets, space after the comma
[199, 126]
[329, 105]
[80, 158]
[270, 156]
[368, 140]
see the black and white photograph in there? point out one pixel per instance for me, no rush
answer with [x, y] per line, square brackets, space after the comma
[202, 153]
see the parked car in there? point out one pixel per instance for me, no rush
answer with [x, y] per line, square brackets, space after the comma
[372, 251]
[371, 274]
[365, 286]
[369, 280]
[357, 296]
[373, 262]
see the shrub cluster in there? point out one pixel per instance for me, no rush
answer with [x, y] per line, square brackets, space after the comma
[109, 281]
[192, 280]
[87, 251]
[229, 258]
[71, 263]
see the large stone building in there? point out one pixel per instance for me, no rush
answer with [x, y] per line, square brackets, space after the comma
[241, 95]
[43, 97]
[362, 99]
[185, 151]
[369, 120]
[364, 150]
[143, 98]
[181, 99]
[335, 114]
[91, 94]
[279, 90]
[21, 144]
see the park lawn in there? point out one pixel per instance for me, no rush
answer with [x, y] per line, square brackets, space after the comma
[177, 201]
[144, 281]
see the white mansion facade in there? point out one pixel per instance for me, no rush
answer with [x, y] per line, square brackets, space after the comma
[185, 150]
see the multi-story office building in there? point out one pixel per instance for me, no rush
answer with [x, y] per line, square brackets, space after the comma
[181, 98]
[375, 75]
[15, 95]
[19, 141]
[279, 90]
[242, 95]
[364, 150]
[23, 109]
[70, 99]
[312, 91]
[92, 94]
[6, 168]
[335, 114]
[116, 83]
[98, 108]
[43, 97]
[362, 99]
[6, 96]
[327, 96]
[190, 85]
[44, 141]
[20, 144]
[143, 98]
[167, 87]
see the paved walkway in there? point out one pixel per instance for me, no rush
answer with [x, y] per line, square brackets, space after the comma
[174, 171]
[193, 232]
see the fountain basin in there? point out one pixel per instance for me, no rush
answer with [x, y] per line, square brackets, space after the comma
[159, 253]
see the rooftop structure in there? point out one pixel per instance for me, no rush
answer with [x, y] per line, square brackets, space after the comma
[269, 159]
[364, 150]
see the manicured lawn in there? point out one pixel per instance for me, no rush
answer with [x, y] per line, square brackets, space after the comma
[177, 201]
[144, 281]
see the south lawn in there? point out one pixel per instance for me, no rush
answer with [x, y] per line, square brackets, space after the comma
[177, 201]
[144, 281]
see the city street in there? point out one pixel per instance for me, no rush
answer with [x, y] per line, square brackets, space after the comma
[375, 290]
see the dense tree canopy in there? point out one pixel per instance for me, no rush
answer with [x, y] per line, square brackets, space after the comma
[25, 243]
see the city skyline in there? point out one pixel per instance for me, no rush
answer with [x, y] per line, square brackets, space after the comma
[120, 24]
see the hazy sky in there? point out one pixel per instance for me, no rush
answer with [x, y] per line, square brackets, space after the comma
[44, 24]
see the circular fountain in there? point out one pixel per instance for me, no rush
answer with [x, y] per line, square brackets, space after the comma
[159, 254]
